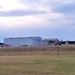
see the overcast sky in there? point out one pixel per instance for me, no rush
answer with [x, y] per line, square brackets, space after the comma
[45, 18]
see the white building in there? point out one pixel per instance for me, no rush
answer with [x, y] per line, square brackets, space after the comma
[23, 41]
[50, 41]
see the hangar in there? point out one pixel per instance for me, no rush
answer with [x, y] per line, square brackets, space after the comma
[23, 41]
[50, 41]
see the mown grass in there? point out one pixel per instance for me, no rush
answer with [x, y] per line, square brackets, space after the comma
[37, 65]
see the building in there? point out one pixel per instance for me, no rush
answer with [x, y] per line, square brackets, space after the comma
[23, 41]
[1, 44]
[52, 41]
[68, 42]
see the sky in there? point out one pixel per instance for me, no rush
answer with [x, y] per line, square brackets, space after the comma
[44, 18]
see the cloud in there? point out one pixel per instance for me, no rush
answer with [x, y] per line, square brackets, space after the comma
[35, 14]
[68, 1]
[65, 9]
[51, 18]
[30, 1]
[20, 13]
[40, 20]
[8, 5]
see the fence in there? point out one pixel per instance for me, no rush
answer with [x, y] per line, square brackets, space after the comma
[42, 50]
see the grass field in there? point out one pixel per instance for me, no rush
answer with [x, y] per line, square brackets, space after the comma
[37, 65]
[40, 50]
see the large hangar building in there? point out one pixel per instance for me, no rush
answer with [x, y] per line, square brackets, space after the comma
[23, 41]
[50, 41]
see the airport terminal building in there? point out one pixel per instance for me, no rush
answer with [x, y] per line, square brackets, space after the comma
[23, 41]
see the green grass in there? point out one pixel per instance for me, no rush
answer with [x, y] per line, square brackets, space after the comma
[37, 65]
